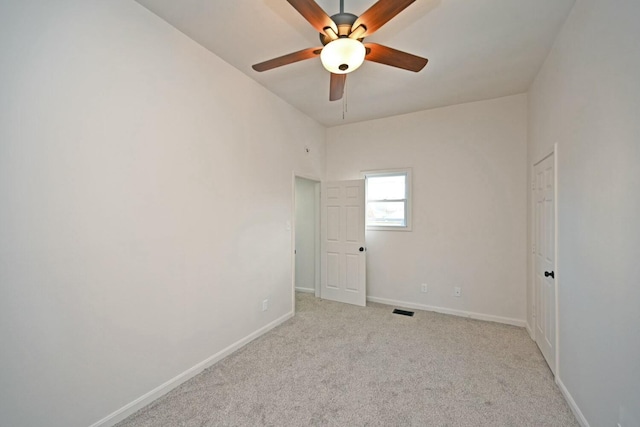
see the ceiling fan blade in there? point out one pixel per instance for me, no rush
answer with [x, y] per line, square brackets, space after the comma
[395, 58]
[379, 14]
[317, 17]
[300, 55]
[336, 86]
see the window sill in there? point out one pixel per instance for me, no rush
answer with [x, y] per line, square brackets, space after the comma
[383, 228]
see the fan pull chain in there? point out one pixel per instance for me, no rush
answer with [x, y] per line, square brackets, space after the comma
[345, 108]
[346, 97]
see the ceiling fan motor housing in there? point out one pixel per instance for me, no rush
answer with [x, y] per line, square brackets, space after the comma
[344, 22]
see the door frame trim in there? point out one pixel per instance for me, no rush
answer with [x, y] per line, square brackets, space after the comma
[318, 183]
[553, 151]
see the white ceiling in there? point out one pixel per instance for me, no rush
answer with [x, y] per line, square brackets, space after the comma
[477, 49]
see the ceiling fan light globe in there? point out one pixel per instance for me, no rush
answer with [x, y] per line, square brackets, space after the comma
[343, 55]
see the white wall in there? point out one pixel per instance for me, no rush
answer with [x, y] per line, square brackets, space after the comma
[469, 205]
[145, 187]
[586, 98]
[306, 217]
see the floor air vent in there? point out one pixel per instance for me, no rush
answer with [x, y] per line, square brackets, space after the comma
[403, 312]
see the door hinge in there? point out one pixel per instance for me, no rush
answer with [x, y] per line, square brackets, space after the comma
[533, 249]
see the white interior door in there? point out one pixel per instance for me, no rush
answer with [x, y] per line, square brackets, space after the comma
[343, 260]
[544, 253]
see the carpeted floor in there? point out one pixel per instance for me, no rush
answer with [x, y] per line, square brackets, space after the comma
[341, 365]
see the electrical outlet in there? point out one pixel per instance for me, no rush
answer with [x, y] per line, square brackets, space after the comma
[265, 305]
[424, 288]
[457, 291]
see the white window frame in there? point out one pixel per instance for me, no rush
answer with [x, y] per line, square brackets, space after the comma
[407, 200]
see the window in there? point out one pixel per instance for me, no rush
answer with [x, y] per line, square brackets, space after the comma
[388, 199]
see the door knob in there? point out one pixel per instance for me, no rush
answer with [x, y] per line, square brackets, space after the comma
[549, 273]
[361, 249]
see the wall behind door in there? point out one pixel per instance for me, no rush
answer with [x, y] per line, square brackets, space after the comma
[469, 204]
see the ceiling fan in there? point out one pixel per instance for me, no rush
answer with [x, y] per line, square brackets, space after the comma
[342, 36]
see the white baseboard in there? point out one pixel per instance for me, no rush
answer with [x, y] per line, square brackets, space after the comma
[161, 390]
[306, 290]
[461, 313]
[530, 331]
[572, 404]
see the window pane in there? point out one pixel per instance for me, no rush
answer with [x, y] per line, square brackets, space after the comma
[389, 214]
[386, 187]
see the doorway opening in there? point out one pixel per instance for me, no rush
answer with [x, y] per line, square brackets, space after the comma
[306, 239]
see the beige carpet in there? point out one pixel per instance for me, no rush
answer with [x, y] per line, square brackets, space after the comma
[340, 365]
